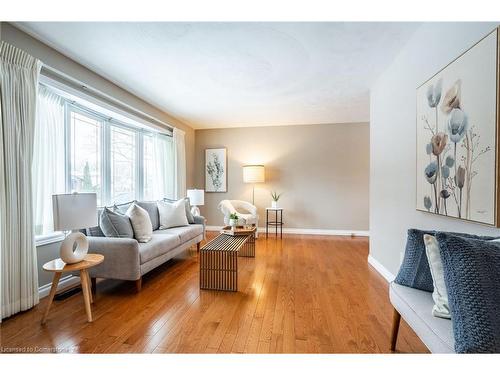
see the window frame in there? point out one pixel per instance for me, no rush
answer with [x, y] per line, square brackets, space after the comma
[107, 122]
[69, 108]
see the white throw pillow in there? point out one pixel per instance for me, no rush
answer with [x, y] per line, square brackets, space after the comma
[172, 214]
[441, 307]
[141, 223]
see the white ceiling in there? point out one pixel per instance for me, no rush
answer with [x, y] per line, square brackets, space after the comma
[214, 75]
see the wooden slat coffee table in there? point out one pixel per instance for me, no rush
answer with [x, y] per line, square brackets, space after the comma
[219, 261]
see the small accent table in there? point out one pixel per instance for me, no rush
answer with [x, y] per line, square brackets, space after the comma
[58, 267]
[219, 260]
[278, 221]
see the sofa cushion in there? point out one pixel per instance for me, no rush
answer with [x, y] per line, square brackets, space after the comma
[152, 209]
[415, 307]
[471, 270]
[161, 243]
[184, 233]
[415, 271]
[114, 224]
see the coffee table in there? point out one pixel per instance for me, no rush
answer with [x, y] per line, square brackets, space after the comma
[219, 260]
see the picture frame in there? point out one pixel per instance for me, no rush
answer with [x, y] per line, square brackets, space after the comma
[216, 170]
[457, 136]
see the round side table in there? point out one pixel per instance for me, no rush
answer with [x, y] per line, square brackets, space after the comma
[58, 267]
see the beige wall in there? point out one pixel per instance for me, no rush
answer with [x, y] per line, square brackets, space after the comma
[56, 60]
[323, 171]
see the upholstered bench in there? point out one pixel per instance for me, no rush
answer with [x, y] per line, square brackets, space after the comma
[415, 306]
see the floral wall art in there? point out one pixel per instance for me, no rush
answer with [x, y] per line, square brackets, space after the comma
[215, 170]
[457, 129]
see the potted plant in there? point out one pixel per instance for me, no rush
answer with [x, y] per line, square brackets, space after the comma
[275, 196]
[233, 220]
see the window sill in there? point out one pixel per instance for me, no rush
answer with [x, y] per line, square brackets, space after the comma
[49, 238]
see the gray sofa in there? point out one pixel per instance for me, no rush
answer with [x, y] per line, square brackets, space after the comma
[127, 259]
[415, 307]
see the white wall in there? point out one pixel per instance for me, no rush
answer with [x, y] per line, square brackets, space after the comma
[392, 138]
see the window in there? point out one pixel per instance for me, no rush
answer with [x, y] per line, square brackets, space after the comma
[93, 152]
[86, 154]
[149, 166]
[123, 165]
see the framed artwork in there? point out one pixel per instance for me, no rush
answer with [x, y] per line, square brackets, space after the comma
[216, 170]
[458, 135]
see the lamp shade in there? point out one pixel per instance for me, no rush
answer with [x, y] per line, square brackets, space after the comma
[253, 174]
[74, 211]
[196, 197]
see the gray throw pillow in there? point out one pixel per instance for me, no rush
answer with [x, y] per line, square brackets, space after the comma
[414, 271]
[152, 210]
[114, 224]
[471, 270]
[122, 207]
[189, 215]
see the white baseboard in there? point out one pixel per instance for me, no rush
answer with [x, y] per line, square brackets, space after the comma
[381, 269]
[64, 282]
[323, 232]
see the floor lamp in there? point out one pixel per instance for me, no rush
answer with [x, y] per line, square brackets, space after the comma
[253, 174]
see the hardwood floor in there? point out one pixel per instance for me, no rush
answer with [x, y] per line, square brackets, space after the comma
[303, 294]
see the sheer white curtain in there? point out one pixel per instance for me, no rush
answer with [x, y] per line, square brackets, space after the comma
[48, 158]
[164, 166]
[179, 163]
[19, 73]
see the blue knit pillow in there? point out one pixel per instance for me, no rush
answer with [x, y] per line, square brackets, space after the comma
[414, 271]
[472, 276]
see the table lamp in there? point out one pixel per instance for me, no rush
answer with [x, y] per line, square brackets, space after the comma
[196, 198]
[73, 212]
[253, 174]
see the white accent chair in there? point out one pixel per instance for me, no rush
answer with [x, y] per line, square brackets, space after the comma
[229, 207]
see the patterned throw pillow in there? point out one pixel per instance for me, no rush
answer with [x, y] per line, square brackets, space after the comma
[471, 270]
